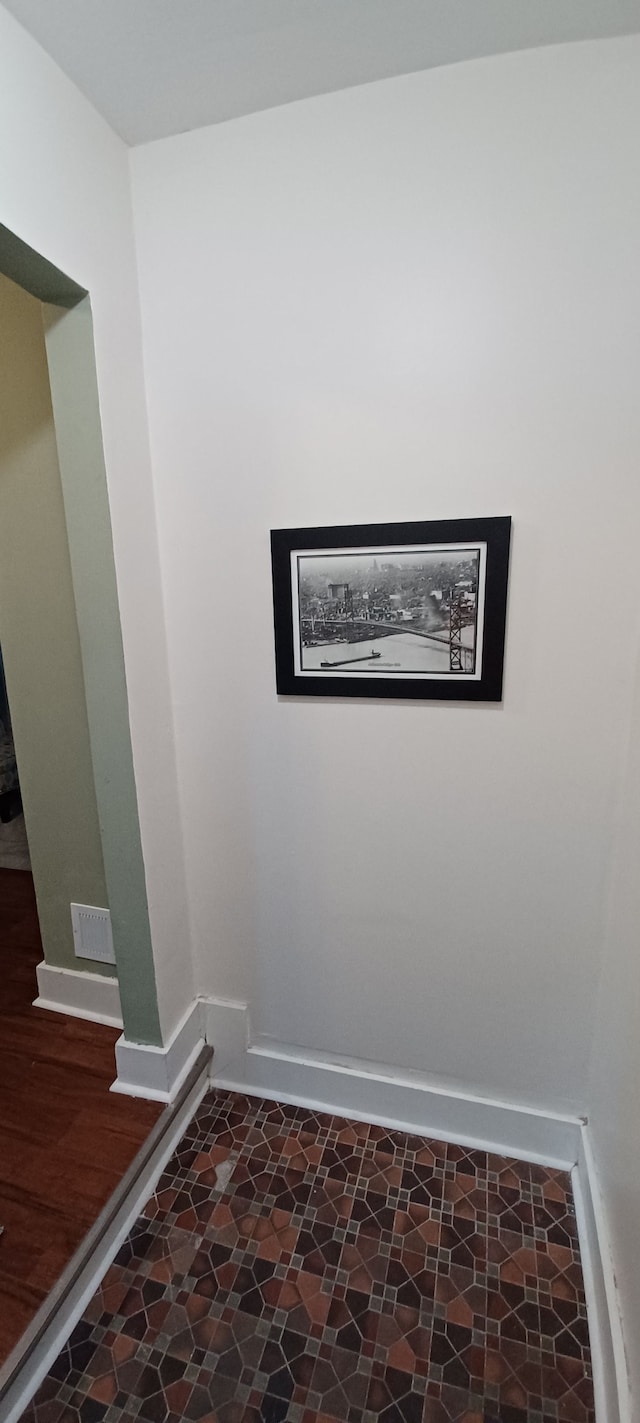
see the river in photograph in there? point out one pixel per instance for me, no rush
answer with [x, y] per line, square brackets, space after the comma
[399, 652]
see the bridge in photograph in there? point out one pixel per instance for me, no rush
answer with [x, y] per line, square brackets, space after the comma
[373, 626]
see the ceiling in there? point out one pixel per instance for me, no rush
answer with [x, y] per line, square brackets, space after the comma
[159, 67]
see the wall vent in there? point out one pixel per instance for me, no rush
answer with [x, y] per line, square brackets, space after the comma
[92, 937]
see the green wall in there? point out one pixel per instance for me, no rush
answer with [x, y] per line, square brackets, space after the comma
[74, 390]
[39, 637]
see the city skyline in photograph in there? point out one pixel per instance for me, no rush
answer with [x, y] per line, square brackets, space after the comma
[389, 611]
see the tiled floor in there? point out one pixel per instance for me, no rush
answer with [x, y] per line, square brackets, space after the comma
[298, 1266]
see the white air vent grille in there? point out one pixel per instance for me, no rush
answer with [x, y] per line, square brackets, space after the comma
[92, 938]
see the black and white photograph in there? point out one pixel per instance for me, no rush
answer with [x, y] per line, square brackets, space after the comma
[394, 616]
[389, 612]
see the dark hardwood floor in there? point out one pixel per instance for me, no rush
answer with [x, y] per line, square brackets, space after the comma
[65, 1140]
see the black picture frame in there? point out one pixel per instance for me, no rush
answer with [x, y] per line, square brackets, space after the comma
[461, 623]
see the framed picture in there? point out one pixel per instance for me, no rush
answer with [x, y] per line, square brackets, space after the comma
[392, 610]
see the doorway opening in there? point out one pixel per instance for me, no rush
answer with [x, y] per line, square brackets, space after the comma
[14, 845]
[86, 768]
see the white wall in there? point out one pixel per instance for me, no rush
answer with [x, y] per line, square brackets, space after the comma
[64, 189]
[414, 299]
[614, 1087]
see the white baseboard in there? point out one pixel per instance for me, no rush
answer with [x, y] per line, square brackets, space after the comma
[79, 994]
[374, 1092]
[226, 1029]
[610, 1374]
[158, 1072]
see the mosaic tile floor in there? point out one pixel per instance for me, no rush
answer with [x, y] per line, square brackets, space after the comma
[295, 1266]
